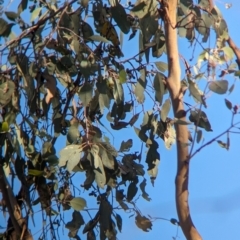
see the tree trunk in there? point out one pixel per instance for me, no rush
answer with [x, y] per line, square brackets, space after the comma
[174, 87]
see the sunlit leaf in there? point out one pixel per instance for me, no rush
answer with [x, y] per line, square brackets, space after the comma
[162, 66]
[35, 172]
[122, 76]
[165, 110]
[219, 87]
[85, 93]
[78, 203]
[35, 13]
[70, 155]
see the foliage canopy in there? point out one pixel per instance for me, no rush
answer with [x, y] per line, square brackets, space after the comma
[64, 77]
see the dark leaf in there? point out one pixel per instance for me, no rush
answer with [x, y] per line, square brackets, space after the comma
[119, 222]
[120, 17]
[142, 187]
[143, 222]
[199, 118]
[228, 104]
[91, 224]
[134, 119]
[132, 191]
[125, 146]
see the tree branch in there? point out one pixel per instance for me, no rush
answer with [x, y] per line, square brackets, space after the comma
[174, 87]
[14, 210]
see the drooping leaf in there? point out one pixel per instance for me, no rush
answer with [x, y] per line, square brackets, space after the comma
[142, 187]
[11, 15]
[22, 6]
[74, 225]
[228, 104]
[98, 38]
[170, 136]
[120, 17]
[119, 221]
[143, 222]
[165, 110]
[35, 172]
[196, 92]
[159, 87]
[222, 144]
[85, 94]
[133, 119]
[162, 66]
[199, 118]
[122, 76]
[125, 146]
[35, 13]
[199, 135]
[78, 203]
[100, 176]
[142, 135]
[70, 155]
[140, 87]
[73, 134]
[219, 87]
[132, 191]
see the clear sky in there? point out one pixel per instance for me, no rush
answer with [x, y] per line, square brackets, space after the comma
[214, 188]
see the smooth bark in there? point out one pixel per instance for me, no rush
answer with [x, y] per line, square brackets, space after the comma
[174, 87]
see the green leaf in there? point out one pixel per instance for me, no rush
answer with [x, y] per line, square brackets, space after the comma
[159, 87]
[134, 119]
[142, 135]
[219, 87]
[70, 155]
[199, 135]
[22, 6]
[196, 92]
[122, 76]
[118, 92]
[100, 176]
[162, 66]
[85, 94]
[35, 13]
[11, 15]
[165, 110]
[6, 96]
[231, 88]
[199, 118]
[73, 134]
[120, 17]
[3, 26]
[140, 87]
[228, 104]
[35, 172]
[228, 53]
[98, 38]
[78, 203]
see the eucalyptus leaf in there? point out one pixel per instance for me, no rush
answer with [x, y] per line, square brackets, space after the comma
[78, 203]
[219, 87]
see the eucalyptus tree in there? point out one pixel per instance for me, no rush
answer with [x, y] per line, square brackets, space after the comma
[64, 77]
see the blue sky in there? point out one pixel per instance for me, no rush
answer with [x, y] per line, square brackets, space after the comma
[214, 188]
